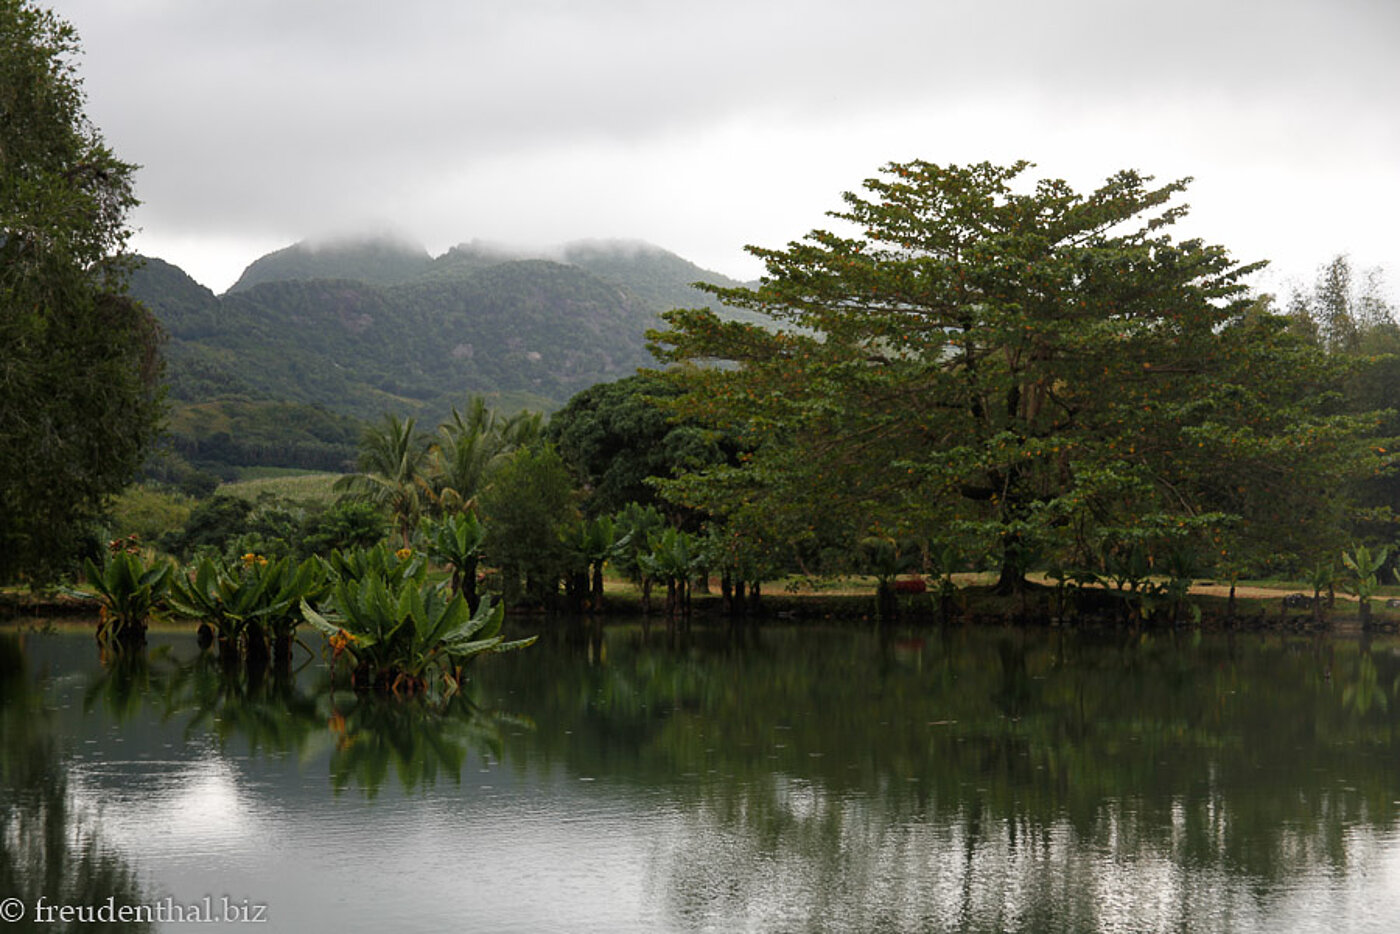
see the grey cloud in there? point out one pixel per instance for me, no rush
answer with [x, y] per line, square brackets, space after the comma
[258, 115]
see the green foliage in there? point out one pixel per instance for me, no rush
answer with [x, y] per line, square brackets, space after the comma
[617, 437]
[535, 332]
[530, 509]
[1363, 578]
[394, 567]
[227, 433]
[393, 455]
[351, 525]
[1322, 577]
[231, 525]
[79, 361]
[1347, 316]
[661, 279]
[381, 260]
[313, 490]
[212, 525]
[636, 526]
[468, 450]
[458, 541]
[406, 636]
[130, 588]
[593, 543]
[248, 599]
[676, 557]
[166, 469]
[148, 513]
[1026, 374]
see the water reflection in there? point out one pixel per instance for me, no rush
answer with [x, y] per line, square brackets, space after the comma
[302, 714]
[51, 850]
[770, 780]
[982, 780]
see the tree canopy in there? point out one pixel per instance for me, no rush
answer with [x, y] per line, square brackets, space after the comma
[1021, 371]
[79, 361]
[616, 436]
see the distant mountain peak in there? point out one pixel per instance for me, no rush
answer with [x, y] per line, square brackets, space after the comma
[388, 241]
[379, 258]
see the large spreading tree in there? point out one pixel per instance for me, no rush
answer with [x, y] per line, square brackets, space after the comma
[79, 361]
[1018, 371]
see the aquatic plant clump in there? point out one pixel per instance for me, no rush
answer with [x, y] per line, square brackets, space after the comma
[406, 637]
[245, 603]
[130, 589]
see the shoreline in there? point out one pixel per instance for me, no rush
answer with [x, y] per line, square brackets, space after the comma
[1257, 609]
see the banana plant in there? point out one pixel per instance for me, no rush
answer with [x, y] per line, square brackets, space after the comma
[673, 558]
[305, 581]
[129, 590]
[407, 637]
[887, 559]
[394, 566]
[637, 526]
[242, 604]
[1322, 576]
[1129, 568]
[1364, 580]
[458, 541]
[599, 542]
[1182, 567]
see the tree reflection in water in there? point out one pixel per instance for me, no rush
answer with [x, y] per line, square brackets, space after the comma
[792, 779]
[50, 848]
[365, 737]
[965, 779]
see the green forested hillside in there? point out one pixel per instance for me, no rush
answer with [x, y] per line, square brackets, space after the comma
[658, 277]
[530, 328]
[282, 434]
[362, 327]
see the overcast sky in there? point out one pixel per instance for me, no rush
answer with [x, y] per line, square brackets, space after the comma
[705, 126]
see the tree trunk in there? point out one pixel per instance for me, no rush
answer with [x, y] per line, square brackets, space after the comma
[282, 654]
[469, 585]
[1011, 580]
[886, 604]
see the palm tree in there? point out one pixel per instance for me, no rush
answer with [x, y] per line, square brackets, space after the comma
[392, 460]
[468, 450]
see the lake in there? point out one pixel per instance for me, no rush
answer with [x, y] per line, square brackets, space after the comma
[780, 780]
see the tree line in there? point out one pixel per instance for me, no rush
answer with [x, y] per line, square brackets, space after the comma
[968, 370]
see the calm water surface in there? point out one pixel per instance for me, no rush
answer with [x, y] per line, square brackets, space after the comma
[787, 780]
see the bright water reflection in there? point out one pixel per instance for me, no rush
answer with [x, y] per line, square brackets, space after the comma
[791, 780]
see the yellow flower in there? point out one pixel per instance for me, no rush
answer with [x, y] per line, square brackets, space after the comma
[340, 641]
[403, 554]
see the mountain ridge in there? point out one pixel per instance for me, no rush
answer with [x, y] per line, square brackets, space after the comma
[363, 326]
